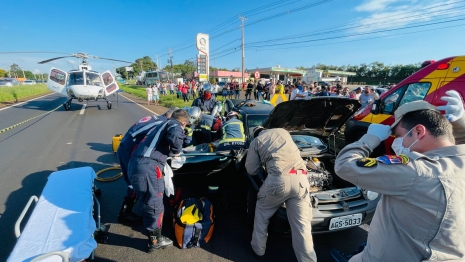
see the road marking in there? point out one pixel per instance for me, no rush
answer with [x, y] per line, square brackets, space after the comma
[69, 143]
[141, 106]
[83, 109]
[24, 102]
[18, 124]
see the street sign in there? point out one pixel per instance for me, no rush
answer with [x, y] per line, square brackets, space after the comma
[256, 75]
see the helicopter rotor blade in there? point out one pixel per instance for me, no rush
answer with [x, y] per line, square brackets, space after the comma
[49, 60]
[115, 60]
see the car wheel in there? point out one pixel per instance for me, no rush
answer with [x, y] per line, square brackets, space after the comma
[251, 204]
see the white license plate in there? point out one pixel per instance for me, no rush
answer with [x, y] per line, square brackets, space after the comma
[345, 221]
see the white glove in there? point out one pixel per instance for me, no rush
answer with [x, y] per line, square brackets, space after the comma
[454, 108]
[379, 130]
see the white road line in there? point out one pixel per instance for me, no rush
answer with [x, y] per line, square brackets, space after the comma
[24, 102]
[83, 109]
[141, 106]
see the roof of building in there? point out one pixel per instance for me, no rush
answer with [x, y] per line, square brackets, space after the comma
[336, 72]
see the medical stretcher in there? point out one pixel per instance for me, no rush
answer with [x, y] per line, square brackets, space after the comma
[61, 226]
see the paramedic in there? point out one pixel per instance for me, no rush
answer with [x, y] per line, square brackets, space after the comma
[286, 182]
[128, 144]
[422, 187]
[232, 133]
[207, 103]
[203, 130]
[146, 173]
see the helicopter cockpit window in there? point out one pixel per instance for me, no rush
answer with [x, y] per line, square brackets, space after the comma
[107, 78]
[76, 78]
[93, 79]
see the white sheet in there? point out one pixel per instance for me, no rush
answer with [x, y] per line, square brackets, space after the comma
[62, 219]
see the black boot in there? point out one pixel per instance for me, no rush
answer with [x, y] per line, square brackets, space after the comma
[157, 241]
[125, 214]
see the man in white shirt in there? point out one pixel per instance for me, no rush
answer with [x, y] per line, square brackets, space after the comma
[149, 92]
[302, 95]
[294, 92]
[155, 95]
[172, 88]
[216, 87]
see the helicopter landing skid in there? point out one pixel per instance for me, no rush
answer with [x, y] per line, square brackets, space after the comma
[67, 105]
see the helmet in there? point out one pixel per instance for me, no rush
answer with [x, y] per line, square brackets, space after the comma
[194, 114]
[207, 91]
[232, 114]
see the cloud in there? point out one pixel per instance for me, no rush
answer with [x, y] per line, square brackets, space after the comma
[389, 14]
[374, 5]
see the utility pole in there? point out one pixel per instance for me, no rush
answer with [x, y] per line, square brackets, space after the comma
[171, 63]
[243, 56]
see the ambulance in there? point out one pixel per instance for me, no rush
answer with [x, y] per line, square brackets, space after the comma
[429, 83]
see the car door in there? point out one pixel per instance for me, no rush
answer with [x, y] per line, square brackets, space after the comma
[109, 83]
[56, 81]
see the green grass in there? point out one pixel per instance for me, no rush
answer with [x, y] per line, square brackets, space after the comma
[10, 94]
[166, 101]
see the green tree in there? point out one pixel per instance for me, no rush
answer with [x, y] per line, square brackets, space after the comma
[2, 72]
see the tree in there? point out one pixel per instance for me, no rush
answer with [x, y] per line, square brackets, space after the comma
[2, 72]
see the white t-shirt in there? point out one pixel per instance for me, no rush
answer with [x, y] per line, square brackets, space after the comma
[294, 93]
[149, 91]
[215, 88]
[357, 96]
[155, 91]
[172, 86]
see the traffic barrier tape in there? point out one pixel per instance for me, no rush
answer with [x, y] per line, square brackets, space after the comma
[18, 124]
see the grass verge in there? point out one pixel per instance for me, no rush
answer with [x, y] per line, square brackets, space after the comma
[15, 93]
[166, 101]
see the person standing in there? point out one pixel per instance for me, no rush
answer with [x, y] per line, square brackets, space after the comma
[185, 92]
[294, 92]
[155, 95]
[237, 90]
[279, 88]
[149, 92]
[146, 173]
[249, 90]
[286, 183]
[216, 88]
[171, 84]
[420, 214]
[272, 89]
[128, 144]
[260, 89]
[367, 97]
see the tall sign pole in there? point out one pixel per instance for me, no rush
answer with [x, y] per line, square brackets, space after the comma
[243, 55]
[203, 58]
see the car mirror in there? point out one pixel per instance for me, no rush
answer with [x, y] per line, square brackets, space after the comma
[375, 107]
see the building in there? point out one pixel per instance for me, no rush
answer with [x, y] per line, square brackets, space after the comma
[279, 73]
[315, 75]
[226, 76]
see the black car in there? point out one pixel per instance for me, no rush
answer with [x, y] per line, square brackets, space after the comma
[336, 203]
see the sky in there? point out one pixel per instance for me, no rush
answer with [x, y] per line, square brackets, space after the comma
[288, 33]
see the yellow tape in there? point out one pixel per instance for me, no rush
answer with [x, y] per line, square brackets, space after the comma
[18, 124]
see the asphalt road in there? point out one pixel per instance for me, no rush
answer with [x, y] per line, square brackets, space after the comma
[67, 139]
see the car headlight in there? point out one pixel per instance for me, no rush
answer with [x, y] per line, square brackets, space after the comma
[370, 195]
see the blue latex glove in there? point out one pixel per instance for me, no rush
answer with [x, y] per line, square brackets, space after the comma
[454, 108]
[379, 130]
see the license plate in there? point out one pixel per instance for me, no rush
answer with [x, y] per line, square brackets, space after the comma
[345, 221]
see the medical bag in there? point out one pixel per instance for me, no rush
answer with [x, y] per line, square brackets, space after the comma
[116, 141]
[193, 222]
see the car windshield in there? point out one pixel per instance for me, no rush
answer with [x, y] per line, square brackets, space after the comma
[93, 79]
[306, 141]
[255, 120]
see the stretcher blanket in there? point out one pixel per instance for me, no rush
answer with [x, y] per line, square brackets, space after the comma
[62, 219]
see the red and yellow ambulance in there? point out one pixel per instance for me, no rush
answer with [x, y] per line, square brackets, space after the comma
[429, 83]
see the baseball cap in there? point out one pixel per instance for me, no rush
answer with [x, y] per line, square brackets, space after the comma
[411, 107]
[358, 88]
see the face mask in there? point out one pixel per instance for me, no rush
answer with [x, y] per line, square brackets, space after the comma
[399, 148]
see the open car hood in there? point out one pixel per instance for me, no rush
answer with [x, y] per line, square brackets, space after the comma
[319, 116]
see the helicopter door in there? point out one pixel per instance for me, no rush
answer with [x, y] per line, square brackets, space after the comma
[109, 83]
[57, 81]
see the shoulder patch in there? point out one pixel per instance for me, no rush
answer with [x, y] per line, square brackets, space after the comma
[393, 159]
[367, 162]
[145, 119]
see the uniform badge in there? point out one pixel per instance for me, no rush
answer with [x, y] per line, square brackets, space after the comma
[392, 159]
[145, 119]
[367, 162]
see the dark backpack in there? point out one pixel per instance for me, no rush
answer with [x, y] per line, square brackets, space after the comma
[193, 222]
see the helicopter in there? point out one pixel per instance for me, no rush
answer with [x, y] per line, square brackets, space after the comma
[82, 83]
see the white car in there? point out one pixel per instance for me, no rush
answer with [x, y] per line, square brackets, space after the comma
[29, 82]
